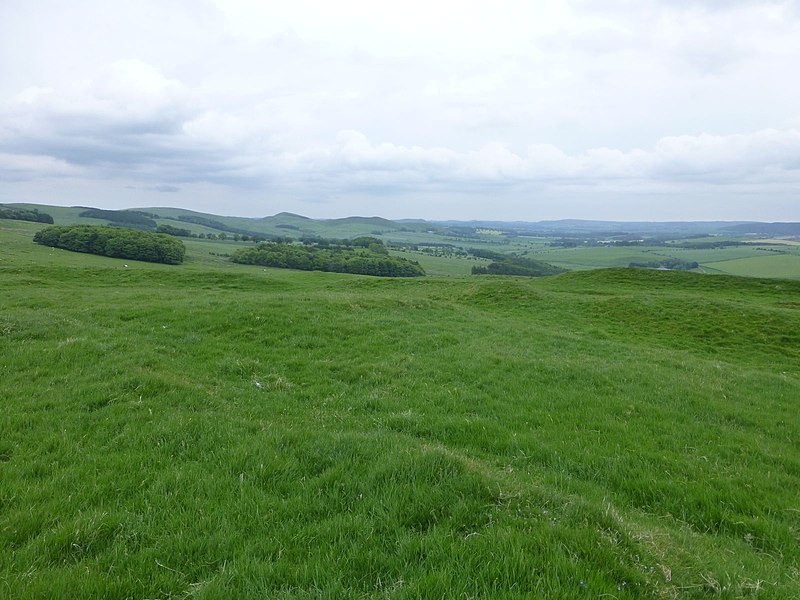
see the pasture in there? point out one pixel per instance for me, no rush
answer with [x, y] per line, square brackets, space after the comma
[212, 430]
[770, 257]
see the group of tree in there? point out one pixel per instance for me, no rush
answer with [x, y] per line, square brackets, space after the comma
[673, 264]
[710, 245]
[222, 236]
[361, 257]
[117, 242]
[504, 264]
[364, 241]
[23, 214]
[590, 242]
[218, 225]
[488, 254]
[176, 231]
[767, 229]
[135, 219]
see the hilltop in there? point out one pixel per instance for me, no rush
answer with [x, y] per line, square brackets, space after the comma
[359, 225]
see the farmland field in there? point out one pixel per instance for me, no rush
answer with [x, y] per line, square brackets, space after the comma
[444, 249]
[754, 260]
[785, 265]
[212, 430]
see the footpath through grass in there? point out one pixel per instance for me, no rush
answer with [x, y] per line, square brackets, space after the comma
[188, 431]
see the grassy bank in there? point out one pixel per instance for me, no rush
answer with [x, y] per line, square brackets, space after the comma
[212, 430]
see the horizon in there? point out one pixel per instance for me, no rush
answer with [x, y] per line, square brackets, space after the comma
[401, 219]
[558, 109]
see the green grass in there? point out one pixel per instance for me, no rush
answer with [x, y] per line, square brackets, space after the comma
[714, 255]
[442, 265]
[594, 257]
[769, 264]
[763, 265]
[622, 256]
[749, 261]
[215, 431]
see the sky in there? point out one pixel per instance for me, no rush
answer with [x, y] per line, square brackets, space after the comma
[631, 110]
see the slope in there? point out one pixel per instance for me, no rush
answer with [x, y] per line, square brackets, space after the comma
[240, 432]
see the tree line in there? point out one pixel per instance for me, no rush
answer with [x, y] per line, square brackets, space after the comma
[504, 264]
[116, 242]
[673, 264]
[176, 231]
[129, 218]
[137, 219]
[218, 225]
[23, 214]
[367, 257]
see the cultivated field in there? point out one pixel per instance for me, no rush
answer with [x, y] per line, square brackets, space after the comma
[214, 430]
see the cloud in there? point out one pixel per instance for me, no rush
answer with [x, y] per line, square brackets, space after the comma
[134, 121]
[322, 101]
[23, 167]
[765, 155]
[128, 98]
[130, 120]
[769, 155]
[167, 188]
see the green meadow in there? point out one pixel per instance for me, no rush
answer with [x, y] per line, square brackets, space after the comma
[442, 248]
[213, 430]
[753, 260]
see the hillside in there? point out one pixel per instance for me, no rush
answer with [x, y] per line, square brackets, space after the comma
[214, 430]
[768, 229]
[447, 248]
[281, 224]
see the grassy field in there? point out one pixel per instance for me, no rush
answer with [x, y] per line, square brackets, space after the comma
[213, 430]
[774, 258]
[766, 265]
[443, 265]
[594, 258]
[756, 260]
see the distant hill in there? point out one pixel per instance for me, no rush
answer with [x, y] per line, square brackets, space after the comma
[376, 221]
[287, 214]
[408, 230]
[765, 228]
[283, 224]
[589, 227]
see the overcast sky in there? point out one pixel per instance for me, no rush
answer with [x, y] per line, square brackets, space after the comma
[467, 109]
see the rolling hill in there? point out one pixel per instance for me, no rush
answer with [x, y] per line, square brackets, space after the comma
[214, 430]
